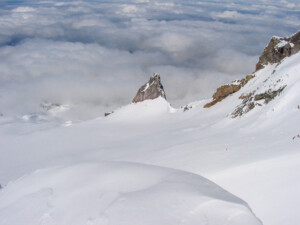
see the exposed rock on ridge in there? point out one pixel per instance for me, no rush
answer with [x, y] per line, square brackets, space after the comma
[225, 90]
[151, 90]
[251, 100]
[279, 48]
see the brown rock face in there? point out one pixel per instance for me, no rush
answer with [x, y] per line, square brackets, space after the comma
[225, 90]
[279, 48]
[151, 90]
[222, 92]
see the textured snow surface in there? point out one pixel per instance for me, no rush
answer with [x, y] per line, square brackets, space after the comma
[277, 184]
[119, 194]
[108, 171]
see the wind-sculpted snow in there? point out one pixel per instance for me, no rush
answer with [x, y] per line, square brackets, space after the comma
[119, 194]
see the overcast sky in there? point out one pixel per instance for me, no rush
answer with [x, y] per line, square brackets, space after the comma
[94, 55]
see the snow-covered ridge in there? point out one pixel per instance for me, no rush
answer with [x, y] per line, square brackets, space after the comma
[271, 83]
[264, 85]
[141, 111]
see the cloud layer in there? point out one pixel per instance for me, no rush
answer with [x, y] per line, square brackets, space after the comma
[94, 55]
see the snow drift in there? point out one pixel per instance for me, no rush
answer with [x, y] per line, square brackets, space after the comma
[119, 194]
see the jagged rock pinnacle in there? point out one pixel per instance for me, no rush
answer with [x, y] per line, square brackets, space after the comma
[279, 48]
[151, 90]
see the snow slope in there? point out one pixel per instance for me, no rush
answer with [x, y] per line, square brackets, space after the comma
[255, 156]
[274, 192]
[119, 194]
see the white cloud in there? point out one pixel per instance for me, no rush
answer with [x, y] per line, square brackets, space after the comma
[129, 9]
[177, 45]
[83, 75]
[95, 54]
[232, 62]
[227, 14]
[23, 9]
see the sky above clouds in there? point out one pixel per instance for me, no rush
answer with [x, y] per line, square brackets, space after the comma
[94, 55]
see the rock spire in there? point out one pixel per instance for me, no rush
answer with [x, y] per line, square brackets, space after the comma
[151, 90]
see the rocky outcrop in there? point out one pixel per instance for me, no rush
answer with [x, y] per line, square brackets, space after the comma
[151, 90]
[251, 100]
[187, 108]
[225, 90]
[222, 92]
[108, 113]
[279, 48]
